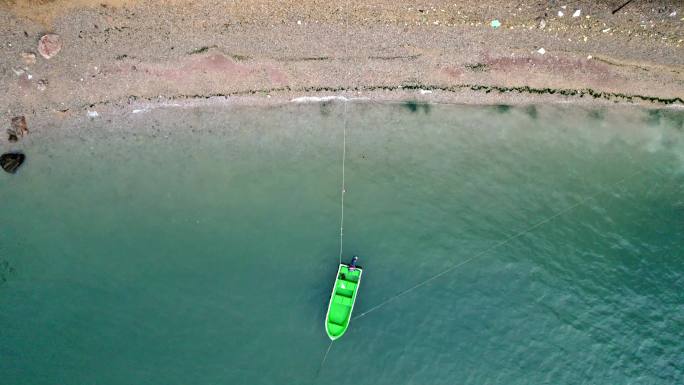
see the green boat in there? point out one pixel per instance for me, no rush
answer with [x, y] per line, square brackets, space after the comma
[342, 300]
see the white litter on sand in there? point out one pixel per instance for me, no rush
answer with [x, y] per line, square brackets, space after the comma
[425, 92]
[560, 14]
[93, 114]
[577, 13]
[541, 51]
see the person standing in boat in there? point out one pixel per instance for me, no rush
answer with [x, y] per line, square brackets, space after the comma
[352, 266]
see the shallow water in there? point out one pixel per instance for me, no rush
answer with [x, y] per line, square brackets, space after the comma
[199, 245]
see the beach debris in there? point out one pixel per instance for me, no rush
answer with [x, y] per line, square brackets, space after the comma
[196, 51]
[577, 13]
[495, 24]
[93, 114]
[541, 51]
[560, 13]
[605, 30]
[49, 45]
[542, 24]
[42, 84]
[673, 14]
[477, 67]
[18, 129]
[10, 161]
[425, 92]
[28, 58]
[299, 22]
[589, 57]
[616, 10]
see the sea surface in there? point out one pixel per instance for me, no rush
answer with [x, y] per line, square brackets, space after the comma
[198, 245]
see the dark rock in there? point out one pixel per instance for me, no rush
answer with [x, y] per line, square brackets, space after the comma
[11, 161]
[42, 84]
[12, 135]
[18, 130]
[19, 126]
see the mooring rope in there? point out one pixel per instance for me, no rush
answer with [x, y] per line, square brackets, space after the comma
[344, 187]
[344, 159]
[490, 248]
[344, 129]
[325, 356]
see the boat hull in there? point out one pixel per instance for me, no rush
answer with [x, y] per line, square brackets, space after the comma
[342, 301]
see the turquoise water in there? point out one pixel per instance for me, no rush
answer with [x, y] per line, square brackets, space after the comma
[199, 245]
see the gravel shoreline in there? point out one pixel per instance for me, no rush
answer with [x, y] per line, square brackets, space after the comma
[118, 54]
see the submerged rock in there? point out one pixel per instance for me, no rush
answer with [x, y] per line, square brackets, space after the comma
[49, 45]
[5, 271]
[414, 106]
[11, 161]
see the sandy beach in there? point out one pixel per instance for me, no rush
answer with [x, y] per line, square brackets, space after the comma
[118, 54]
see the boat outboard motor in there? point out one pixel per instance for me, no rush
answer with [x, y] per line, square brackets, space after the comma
[353, 262]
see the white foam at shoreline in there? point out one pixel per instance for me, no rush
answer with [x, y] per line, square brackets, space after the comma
[319, 99]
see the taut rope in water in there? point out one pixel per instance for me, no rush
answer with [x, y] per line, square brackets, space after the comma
[325, 356]
[488, 249]
[344, 187]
